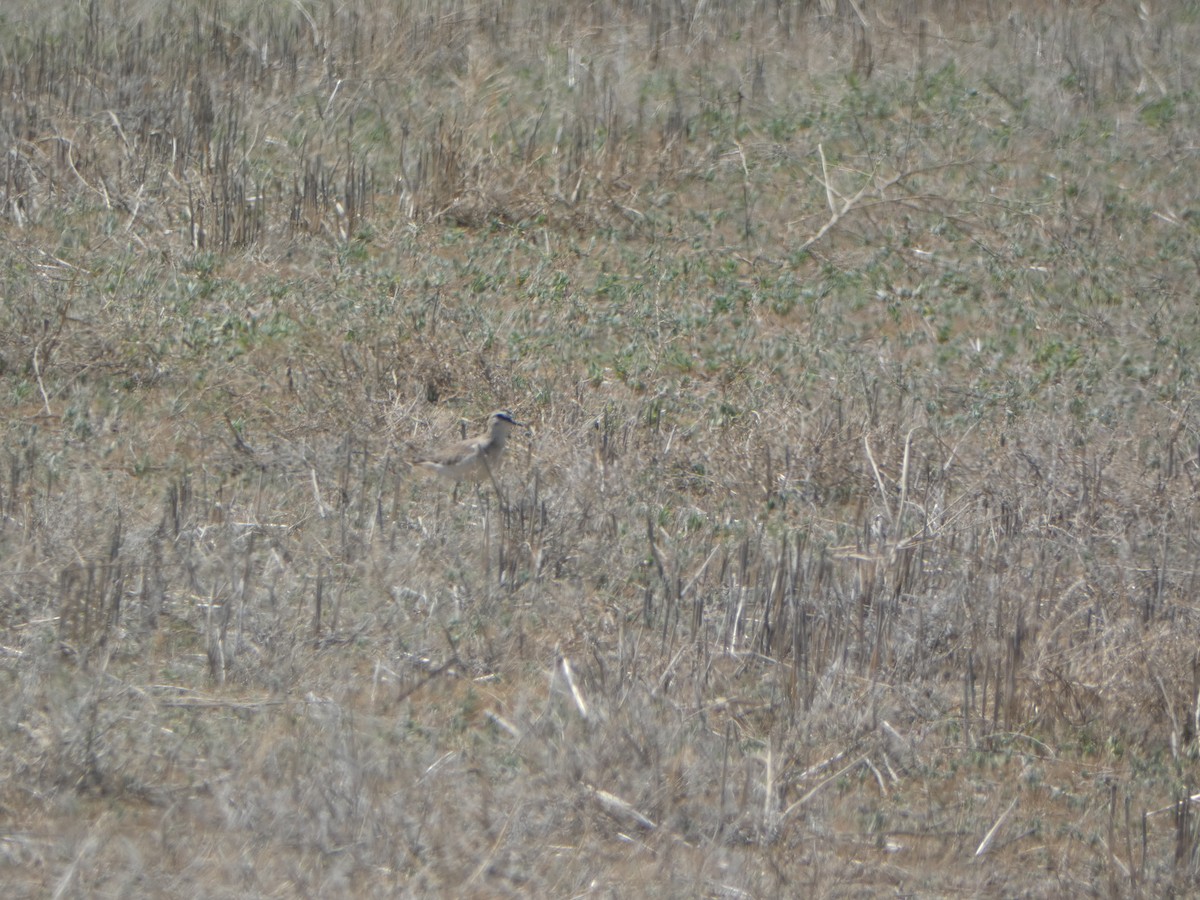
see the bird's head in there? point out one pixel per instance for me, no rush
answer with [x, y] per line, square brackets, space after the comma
[501, 422]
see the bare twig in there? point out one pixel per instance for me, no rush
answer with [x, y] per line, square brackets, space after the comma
[503, 724]
[878, 478]
[619, 809]
[37, 371]
[836, 217]
[580, 703]
[986, 843]
[903, 489]
[829, 190]
[832, 778]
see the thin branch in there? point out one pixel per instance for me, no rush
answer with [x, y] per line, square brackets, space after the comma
[986, 843]
[37, 371]
[878, 479]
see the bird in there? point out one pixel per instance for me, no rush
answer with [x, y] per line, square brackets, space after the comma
[475, 458]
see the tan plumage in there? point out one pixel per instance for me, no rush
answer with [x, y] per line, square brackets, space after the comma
[476, 458]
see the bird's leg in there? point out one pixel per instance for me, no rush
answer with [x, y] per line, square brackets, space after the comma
[495, 486]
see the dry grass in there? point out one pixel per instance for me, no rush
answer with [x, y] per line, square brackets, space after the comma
[853, 549]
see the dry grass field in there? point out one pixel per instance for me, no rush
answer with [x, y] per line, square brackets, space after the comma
[852, 549]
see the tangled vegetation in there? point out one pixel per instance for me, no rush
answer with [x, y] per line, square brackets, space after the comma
[853, 545]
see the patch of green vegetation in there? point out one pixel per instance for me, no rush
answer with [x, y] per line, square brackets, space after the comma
[1158, 113]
